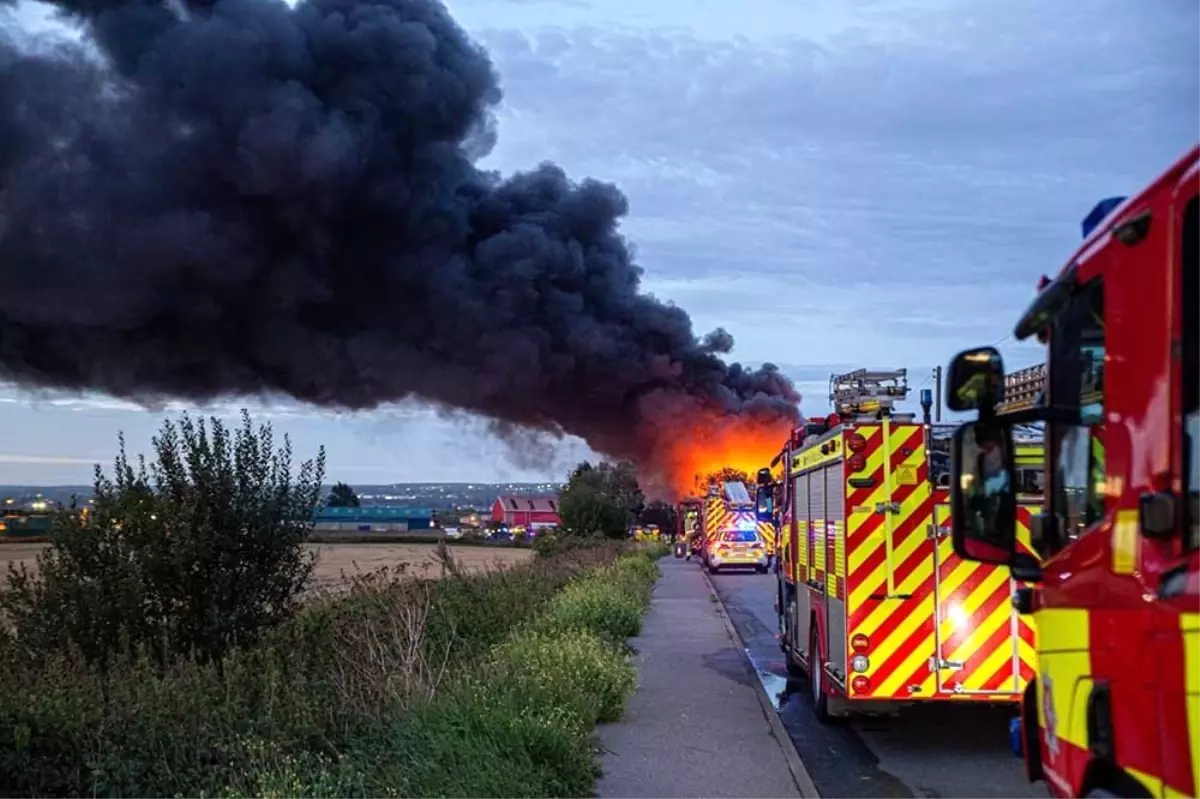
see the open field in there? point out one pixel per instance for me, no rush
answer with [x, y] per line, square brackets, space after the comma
[335, 559]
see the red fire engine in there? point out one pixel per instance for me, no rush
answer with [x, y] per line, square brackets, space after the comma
[873, 604]
[1113, 584]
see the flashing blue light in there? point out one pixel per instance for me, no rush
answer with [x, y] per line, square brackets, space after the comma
[1097, 214]
[745, 524]
[926, 398]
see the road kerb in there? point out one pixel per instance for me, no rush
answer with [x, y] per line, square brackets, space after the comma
[804, 782]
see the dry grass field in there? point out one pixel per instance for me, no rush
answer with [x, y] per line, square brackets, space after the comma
[336, 560]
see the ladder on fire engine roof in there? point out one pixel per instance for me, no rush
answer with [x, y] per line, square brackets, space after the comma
[868, 392]
[1024, 389]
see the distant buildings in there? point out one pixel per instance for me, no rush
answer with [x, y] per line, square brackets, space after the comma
[21, 523]
[375, 519]
[526, 512]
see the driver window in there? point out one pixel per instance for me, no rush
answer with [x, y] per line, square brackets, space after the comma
[1079, 449]
[1189, 368]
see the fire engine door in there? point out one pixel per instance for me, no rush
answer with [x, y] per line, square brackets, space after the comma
[835, 568]
[803, 611]
[975, 623]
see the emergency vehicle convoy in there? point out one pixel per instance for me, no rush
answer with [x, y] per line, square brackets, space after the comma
[874, 605]
[725, 530]
[1113, 581]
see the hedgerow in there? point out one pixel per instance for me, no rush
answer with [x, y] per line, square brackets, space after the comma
[469, 685]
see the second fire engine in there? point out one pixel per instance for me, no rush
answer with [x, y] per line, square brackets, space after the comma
[874, 606]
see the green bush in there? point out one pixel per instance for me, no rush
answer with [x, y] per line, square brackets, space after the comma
[575, 673]
[358, 694]
[596, 605]
[477, 740]
[190, 555]
[549, 543]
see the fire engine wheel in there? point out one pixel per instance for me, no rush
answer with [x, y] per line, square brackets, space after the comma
[816, 673]
[794, 669]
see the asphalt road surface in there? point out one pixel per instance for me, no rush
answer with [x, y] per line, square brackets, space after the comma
[939, 751]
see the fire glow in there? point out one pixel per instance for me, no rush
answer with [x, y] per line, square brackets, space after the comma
[744, 444]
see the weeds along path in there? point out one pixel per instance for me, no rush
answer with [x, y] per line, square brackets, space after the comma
[475, 684]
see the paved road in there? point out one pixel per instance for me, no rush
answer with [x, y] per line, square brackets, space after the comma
[936, 751]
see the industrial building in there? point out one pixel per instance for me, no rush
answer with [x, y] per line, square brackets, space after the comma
[526, 512]
[376, 519]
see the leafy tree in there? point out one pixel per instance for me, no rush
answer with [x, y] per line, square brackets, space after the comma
[342, 496]
[601, 500]
[662, 514]
[193, 554]
[726, 474]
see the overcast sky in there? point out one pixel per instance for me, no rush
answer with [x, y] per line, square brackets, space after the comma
[839, 183]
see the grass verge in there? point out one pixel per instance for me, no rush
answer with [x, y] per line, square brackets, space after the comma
[473, 685]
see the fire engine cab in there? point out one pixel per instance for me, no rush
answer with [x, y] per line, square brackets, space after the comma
[1113, 578]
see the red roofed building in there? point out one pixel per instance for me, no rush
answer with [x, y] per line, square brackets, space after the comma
[526, 511]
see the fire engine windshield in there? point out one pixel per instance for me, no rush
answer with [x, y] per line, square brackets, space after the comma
[1031, 481]
[740, 536]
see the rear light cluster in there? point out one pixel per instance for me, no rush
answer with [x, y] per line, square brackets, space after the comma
[859, 664]
[858, 461]
[860, 644]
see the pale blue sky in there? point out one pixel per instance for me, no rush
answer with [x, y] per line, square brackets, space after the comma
[837, 182]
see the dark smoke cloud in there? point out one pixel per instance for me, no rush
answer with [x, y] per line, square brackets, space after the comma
[238, 197]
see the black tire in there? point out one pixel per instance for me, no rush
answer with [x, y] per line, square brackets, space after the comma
[713, 569]
[816, 682]
[794, 668]
[761, 569]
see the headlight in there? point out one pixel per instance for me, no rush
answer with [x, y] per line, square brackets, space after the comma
[859, 663]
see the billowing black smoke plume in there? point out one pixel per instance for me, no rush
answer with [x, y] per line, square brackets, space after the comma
[238, 197]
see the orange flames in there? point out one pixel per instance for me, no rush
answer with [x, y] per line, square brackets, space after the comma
[744, 444]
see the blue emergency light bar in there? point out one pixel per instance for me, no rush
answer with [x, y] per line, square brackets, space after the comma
[926, 398]
[1097, 214]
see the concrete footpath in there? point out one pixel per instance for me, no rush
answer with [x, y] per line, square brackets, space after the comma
[696, 726]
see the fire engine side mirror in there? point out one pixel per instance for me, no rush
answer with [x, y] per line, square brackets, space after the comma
[983, 500]
[975, 380]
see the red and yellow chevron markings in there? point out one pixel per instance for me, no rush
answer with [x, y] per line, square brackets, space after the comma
[767, 531]
[716, 517]
[889, 559]
[894, 601]
[976, 624]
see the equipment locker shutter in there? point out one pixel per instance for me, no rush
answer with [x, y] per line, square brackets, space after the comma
[835, 523]
[800, 514]
[816, 515]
